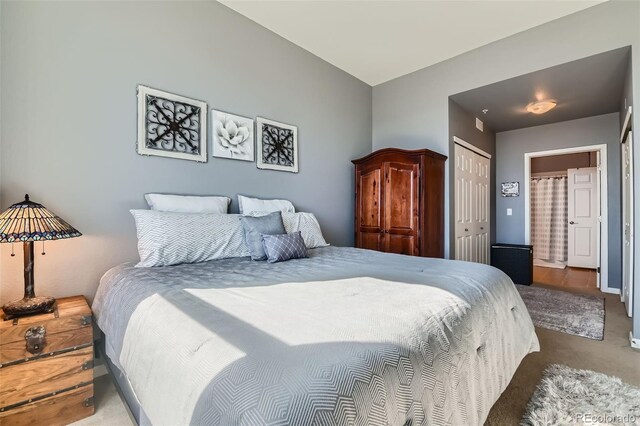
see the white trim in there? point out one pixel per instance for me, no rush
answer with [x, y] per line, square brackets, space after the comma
[100, 370]
[604, 203]
[635, 343]
[471, 147]
[625, 125]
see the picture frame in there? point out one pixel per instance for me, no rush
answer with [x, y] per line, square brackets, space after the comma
[232, 136]
[276, 145]
[510, 189]
[171, 125]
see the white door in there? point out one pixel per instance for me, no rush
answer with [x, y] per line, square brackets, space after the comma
[627, 221]
[583, 217]
[463, 203]
[471, 206]
[482, 200]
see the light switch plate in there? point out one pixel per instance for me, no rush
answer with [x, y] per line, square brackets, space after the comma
[509, 212]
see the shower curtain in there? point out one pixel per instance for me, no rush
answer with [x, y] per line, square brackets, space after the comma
[549, 218]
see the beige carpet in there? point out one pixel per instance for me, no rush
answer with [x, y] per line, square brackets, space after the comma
[110, 409]
[612, 356]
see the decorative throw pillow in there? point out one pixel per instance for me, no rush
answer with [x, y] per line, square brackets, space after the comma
[284, 247]
[306, 223]
[187, 203]
[167, 238]
[248, 205]
[257, 226]
[308, 226]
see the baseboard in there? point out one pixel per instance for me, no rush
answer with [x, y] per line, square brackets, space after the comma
[100, 370]
[635, 343]
[611, 290]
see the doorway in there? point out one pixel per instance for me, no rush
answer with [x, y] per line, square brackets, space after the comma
[566, 216]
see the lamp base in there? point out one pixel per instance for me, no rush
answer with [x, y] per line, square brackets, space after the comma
[28, 306]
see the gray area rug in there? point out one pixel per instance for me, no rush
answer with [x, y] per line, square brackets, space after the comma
[566, 396]
[577, 314]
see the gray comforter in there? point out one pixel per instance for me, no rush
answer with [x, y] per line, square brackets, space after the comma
[347, 336]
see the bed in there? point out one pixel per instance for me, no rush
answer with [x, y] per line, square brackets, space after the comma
[346, 336]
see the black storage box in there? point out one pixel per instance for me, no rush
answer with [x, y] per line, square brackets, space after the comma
[515, 260]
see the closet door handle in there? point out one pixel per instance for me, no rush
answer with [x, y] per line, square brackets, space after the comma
[466, 229]
[572, 223]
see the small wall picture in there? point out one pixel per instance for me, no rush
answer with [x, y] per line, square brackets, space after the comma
[510, 189]
[277, 145]
[171, 125]
[232, 136]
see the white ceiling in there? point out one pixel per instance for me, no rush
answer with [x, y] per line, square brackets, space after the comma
[377, 41]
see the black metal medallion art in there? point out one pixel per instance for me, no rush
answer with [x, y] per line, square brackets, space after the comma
[277, 145]
[171, 125]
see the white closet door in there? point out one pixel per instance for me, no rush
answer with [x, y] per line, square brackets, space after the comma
[481, 228]
[472, 198]
[463, 203]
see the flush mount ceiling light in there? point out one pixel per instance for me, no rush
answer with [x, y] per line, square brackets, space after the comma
[540, 107]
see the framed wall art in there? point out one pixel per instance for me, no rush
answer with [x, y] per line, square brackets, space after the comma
[232, 136]
[171, 125]
[510, 189]
[277, 145]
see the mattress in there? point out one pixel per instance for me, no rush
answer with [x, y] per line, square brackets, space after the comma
[347, 336]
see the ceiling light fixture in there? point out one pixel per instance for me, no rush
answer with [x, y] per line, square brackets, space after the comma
[541, 107]
[484, 111]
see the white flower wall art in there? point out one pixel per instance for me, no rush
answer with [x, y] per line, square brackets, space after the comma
[232, 136]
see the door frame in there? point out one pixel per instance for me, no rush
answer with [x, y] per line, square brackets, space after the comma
[602, 195]
[626, 134]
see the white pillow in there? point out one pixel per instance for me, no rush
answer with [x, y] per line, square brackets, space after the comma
[168, 238]
[187, 203]
[248, 205]
[306, 223]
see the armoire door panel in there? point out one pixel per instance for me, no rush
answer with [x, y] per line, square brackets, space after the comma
[401, 198]
[400, 244]
[370, 200]
[369, 240]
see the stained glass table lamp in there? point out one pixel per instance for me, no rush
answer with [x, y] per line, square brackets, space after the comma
[27, 222]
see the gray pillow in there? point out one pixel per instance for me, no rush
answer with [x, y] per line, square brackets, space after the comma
[284, 247]
[256, 227]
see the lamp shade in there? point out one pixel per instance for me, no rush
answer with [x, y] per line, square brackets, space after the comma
[29, 221]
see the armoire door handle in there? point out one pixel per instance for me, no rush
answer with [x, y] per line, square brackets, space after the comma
[466, 229]
[572, 223]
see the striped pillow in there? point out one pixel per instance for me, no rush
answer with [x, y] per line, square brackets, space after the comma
[168, 238]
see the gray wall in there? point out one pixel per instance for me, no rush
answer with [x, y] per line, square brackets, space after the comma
[69, 74]
[511, 147]
[411, 111]
[463, 125]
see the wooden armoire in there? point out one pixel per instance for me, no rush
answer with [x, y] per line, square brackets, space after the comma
[400, 202]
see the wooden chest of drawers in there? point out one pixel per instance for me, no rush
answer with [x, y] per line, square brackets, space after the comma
[46, 366]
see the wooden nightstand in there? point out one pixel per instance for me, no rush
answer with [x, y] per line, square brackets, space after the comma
[46, 366]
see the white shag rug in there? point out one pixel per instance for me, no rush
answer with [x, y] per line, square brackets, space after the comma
[566, 396]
